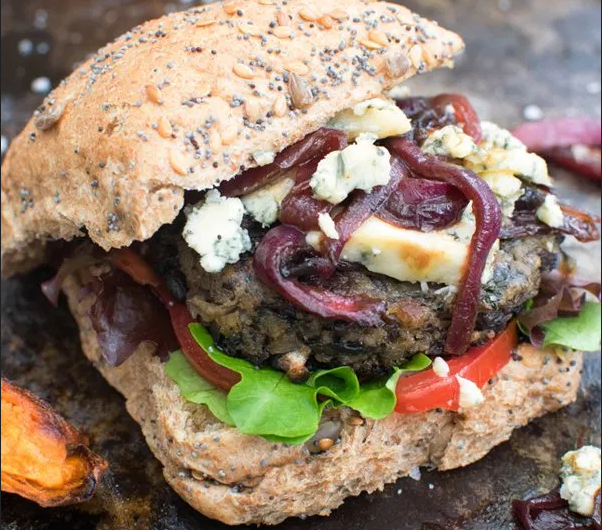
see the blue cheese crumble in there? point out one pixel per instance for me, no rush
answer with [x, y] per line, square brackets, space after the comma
[361, 166]
[327, 225]
[450, 141]
[581, 479]
[214, 231]
[380, 117]
[264, 204]
[470, 394]
[550, 212]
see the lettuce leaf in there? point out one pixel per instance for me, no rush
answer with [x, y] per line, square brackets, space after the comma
[582, 332]
[195, 389]
[377, 399]
[268, 404]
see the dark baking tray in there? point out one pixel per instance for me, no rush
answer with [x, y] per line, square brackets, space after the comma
[519, 53]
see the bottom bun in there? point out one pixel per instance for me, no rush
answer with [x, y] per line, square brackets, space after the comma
[241, 479]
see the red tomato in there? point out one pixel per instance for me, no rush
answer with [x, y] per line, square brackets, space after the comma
[141, 272]
[427, 391]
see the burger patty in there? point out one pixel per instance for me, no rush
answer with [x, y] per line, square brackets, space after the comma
[249, 320]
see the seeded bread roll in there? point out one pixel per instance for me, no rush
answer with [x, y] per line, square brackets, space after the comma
[184, 102]
[241, 479]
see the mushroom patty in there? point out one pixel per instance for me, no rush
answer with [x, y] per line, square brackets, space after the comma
[249, 320]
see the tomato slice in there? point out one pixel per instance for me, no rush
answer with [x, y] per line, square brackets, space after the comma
[427, 391]
[141, 272]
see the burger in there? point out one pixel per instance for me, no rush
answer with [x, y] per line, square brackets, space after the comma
[301, 279]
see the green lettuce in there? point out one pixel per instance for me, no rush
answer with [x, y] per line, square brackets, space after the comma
[266, 403]
[195, 389]
[582, 332]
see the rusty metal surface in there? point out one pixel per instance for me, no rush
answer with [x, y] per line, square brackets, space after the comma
[519, 53]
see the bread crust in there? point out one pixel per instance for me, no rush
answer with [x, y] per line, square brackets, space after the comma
[183, 102]
[241, 479]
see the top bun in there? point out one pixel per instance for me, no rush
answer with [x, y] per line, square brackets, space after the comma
[183, 103]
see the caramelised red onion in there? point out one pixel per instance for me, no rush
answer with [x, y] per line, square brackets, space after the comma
[563, 132]
[488, 216]
[580, 224]
[316, 145]
[362, 205]
[430, 114]
[551, 512]
[581, 159]
[300, 208]
[272, 259]
[572, 143]
[524, 221]
[424, 205]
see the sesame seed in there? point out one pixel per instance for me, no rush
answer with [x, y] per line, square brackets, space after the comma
[205, 23]
[154, 94]
[325, 444]
[298, 67]
[231, 7]
[371, 45]
[415, 56]
[339, 14]
[378, 37]
[283, 32]
[164, 128]
[178, 162]
[249, 29]
[309, 14]
[280, 107]
[326, 21]
[243, 71]
[356, 421]
[229, 134]
[282, 18]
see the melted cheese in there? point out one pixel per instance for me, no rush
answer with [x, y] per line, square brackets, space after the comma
[410, 255]
[376, 116]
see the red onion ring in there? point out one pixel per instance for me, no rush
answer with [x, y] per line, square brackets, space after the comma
[272, 257]
[428, 115]
[424, 205]
[315, 145]
[300, 208]
[563, 132]
[361, 206]
[488, 225]
[524, 221]
[466, 116]
[587, 161]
